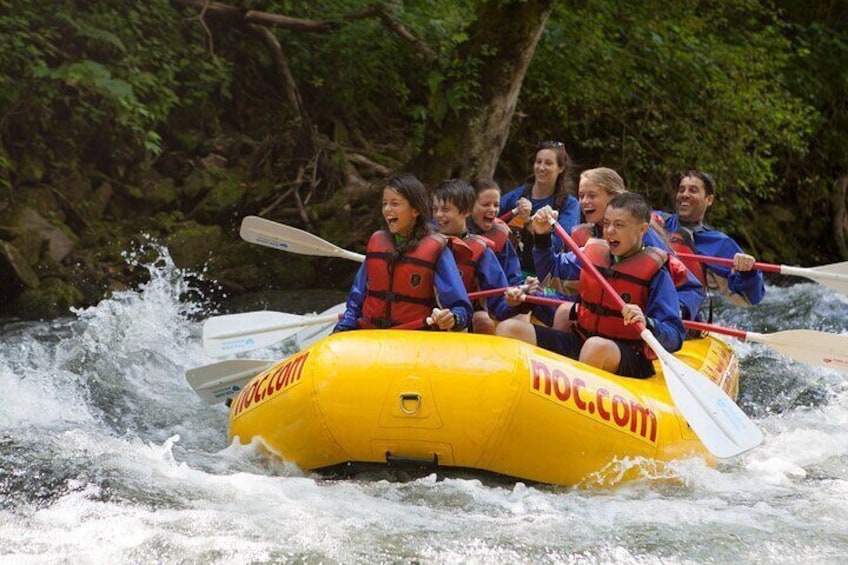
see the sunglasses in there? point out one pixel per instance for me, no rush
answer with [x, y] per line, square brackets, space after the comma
[551, 144]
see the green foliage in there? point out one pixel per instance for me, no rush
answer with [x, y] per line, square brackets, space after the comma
[98, 77]
[654, 88]
[819, 74]
[372, 81]
[752, 91]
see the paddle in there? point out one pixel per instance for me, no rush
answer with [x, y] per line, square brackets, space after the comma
[280, 236]
[272, 234]
[219, 381]
[723, 428]
[834, 276]
[236, 333]
[807, 346]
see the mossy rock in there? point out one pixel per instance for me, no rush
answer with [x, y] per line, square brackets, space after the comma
[42, 199]
[39, 237]
[53, 298]
[15, 269]
[221, 202]
[244, 267]
[191, 244]
[93, 207]
[155, 193]
[199, 182]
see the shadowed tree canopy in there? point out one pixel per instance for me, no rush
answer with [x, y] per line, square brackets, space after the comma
[472, 88]
[466, 139]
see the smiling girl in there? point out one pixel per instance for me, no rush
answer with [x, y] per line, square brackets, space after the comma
[409, 279]
[484, 221]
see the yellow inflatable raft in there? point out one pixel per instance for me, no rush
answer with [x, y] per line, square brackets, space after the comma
[469, 401]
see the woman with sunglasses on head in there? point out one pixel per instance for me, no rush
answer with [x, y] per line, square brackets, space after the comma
[550, 185]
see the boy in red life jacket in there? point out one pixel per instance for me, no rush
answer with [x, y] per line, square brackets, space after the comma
[597, 186]
[605, 337]
[480, 269]
[409, 279]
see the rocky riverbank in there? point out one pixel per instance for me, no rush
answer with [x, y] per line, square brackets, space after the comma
[65, 233]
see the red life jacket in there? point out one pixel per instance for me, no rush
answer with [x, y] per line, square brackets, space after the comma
[678, 271]
[681, 241]
[598, 313]
[498, 235]
[468, 253]
[400, 288]
[582, 233]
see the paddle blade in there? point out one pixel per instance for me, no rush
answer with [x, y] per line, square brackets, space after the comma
[237, 333]
[723, 428]
[219, 381]
[839, 268]
[280, 236]
[808, 346]
[831, 276]
[840, 284]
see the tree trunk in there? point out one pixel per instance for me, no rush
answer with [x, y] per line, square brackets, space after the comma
[504, 38]
[840, 215]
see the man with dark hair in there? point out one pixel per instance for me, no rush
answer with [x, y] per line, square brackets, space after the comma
[688, 233]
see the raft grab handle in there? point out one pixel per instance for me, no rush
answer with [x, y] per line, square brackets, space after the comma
[407, 398]
[411, 461]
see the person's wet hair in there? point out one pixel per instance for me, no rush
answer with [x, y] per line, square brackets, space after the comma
[414, 191]
[632, 202]
[484, 184]
[457, 192]
[606, 178]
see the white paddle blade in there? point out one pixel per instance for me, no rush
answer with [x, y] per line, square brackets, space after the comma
[723, 428]
[808, 346]
[237, 333]
[827, 275]
[840, 268]
[279, 236]
[219, 381]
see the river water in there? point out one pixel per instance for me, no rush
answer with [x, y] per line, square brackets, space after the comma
[107, 456]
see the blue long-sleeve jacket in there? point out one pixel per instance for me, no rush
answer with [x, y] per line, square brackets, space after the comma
[507, 257]
[662, 310]
[569, 212]
[449, 290]
[746, 287]
[490, 275]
